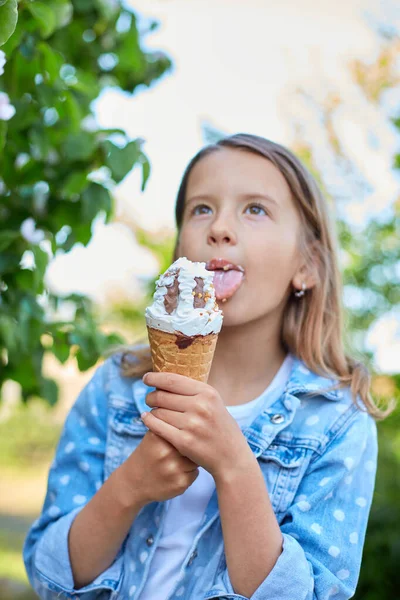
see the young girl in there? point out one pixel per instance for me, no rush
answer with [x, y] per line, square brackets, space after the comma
[256, 485]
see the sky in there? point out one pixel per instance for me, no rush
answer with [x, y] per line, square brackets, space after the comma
[259, 67]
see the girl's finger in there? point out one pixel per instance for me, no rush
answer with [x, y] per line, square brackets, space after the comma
[176, 419]
[163, 399]
[167, 432]
[172, 382]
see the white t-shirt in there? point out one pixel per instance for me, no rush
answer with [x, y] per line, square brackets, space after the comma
[185, 512]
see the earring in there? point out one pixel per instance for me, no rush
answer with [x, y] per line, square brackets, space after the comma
[301, 292]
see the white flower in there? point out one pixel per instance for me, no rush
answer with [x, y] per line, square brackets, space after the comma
[30, 233]
[7, 110]
[2, 61]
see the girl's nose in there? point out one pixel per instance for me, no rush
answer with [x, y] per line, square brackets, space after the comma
[221, 234]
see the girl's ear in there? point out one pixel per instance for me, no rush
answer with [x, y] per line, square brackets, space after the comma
[308, 271]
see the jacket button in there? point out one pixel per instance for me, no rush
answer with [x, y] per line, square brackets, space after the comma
[192, 557]
[278, 418]
[150, 540]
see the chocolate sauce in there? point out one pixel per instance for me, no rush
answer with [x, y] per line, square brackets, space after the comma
[199, 301]
[171, 297]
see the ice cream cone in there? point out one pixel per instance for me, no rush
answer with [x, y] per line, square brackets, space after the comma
[185, 355]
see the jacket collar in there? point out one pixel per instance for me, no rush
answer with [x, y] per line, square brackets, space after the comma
[301, 381]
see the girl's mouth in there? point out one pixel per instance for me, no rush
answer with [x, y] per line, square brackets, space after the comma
[228, 277]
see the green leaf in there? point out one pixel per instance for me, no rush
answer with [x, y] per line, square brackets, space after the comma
[14, 40]
[145, 171]
[121, 160]
[51, 61]
[3, 135]
[61, 351]
[9, 332]
[44, 16]
[94, 199]
[75, 184]
[7, 237]
[41, 261]
[63, 11]
[85, 361]
[8, 19]
[49, 390]
[79, 146]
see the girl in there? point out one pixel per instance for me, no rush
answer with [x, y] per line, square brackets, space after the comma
[256, 485]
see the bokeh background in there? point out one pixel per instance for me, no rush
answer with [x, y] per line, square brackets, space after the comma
[102, 104]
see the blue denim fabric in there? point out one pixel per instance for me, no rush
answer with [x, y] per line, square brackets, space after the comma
[318, 456]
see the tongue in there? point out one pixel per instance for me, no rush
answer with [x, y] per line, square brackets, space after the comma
[226, 283]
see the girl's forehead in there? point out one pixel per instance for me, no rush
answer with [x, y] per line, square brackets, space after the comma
[237, 172]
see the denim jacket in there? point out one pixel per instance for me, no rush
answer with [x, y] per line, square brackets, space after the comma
[317, 454]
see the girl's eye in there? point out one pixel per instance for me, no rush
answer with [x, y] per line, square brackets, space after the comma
[255, 205]
[194, 210]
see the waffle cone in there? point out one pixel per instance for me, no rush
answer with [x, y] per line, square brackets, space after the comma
[193, 361]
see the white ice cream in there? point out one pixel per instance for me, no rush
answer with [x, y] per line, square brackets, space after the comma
[185, 318]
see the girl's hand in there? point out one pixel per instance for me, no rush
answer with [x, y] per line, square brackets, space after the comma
[154, 472]
[192, 416]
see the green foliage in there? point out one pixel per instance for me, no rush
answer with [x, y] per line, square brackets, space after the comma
[8, 19]
[60, 57]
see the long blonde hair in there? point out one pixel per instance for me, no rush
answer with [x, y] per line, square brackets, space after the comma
[312, 327]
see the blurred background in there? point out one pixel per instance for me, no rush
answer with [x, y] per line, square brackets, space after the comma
[102, 105]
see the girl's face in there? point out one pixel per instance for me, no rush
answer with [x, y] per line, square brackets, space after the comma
[238, 207]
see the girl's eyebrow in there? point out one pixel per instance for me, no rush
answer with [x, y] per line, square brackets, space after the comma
[243, 197]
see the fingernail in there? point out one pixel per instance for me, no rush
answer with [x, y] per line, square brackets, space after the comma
[143, 415]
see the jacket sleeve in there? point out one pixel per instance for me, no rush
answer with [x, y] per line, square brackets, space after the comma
[324, 529]
[74, 477]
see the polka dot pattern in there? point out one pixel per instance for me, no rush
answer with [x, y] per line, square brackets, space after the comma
[316, 528]
[333, 591]
[94, 441]
[361, 501]
[79, 499]
[349, 462]
[334, 551]
[324, 481]
[132, 566]
[343, 574]
[339, 515]
[54, 511]
[313, 420]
